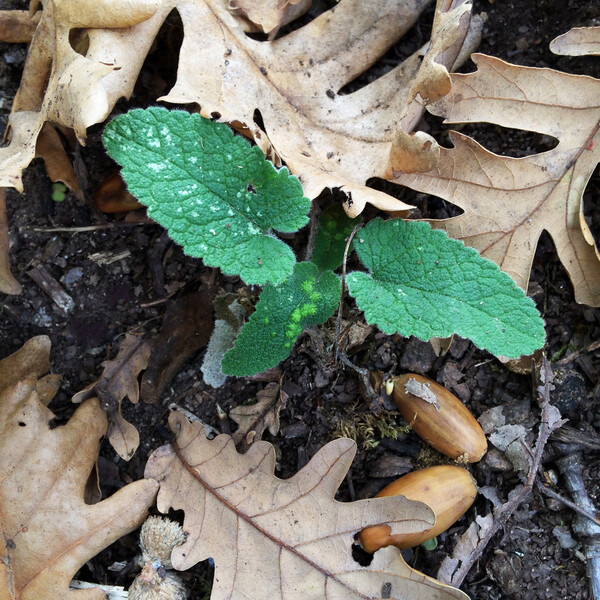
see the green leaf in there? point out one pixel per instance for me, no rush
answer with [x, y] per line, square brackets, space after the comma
[282, 312]
[425, 284]
[330, 242]
[217, 195]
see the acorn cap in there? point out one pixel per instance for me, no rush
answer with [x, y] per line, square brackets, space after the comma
[158, 537]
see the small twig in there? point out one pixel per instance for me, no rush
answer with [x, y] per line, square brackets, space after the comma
[586, 527]
[86, 228]
[575, 507]
[338, 328]
[374, 400]
[349, 363]
[50, 286]
[112, 592]
[453, 571]
[590, 348]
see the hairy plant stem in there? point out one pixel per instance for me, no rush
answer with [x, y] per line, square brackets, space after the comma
[336, 346]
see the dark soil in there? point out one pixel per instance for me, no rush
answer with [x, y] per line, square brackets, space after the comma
[130, 294]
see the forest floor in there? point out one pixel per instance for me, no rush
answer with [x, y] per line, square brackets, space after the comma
[123, 277]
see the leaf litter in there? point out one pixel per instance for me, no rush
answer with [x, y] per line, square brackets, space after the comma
[48, 528]
[271, 538]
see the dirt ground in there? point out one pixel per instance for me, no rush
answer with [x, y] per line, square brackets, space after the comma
[123, 277]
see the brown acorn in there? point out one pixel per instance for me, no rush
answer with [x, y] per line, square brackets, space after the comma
[447, 489]
[439, 417]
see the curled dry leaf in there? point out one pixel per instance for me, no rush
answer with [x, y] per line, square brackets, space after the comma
[285, 93]
[49, 531]
[509, 202]
[273, 538]
[253, 419]
[186, 328]
[8, 284]
[326, 138]
[120, 379]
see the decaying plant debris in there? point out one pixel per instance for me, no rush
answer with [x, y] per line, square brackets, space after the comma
[374, 142]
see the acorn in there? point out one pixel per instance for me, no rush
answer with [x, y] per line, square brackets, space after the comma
[447, 489]
[439, 417]
[158, 537]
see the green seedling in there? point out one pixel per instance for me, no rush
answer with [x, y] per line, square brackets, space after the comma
[430, 545]
[59, 191]
[223, 201]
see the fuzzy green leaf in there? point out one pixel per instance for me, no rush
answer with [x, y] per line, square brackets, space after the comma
[282, 312]
[332, 232]
[423, 283]
[217, 196]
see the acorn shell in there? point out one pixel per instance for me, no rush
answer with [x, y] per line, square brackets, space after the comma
[443, 421]
[448, 490]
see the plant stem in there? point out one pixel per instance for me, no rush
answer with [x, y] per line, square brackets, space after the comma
[336, 346]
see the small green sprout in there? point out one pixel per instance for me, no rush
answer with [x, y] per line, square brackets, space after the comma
[59, 191]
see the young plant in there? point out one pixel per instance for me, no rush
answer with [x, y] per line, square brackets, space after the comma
[221, 200]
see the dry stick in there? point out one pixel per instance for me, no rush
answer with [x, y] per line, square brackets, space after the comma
[338, 328]
[86, 228]
[587, 529]
[575, 507]
[590, 348]
[550, 420]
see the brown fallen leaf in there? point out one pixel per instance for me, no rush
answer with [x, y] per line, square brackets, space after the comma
[325, 138]
[186, 328]
[32, 360]
[8, 284]
[111, 195]
[269, 15]
[286, 92]
[509, 202]
[17, 26]
[273, 538]
[253, 419]
[58, 165]
[67, 88]
[48, 530]
[120, 379]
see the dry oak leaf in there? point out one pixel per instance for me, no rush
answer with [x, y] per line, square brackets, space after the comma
[48, 531]
[509, 202]
[289, 86]
[273, 538]
[32, 360]
[287, 91]
[269, 15]
[17, 26]
[579, 41]
[71, 89]
[119, 379]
